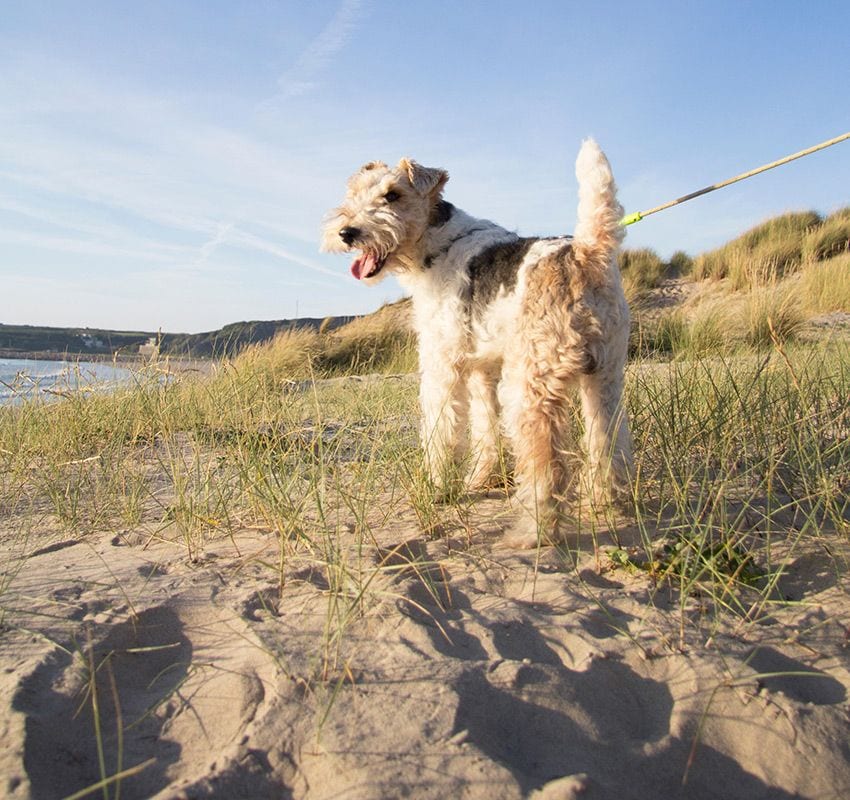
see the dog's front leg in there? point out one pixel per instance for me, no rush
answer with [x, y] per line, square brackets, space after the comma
[445, 410]
[483, 425]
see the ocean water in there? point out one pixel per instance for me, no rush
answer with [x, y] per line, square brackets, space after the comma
[25, 378]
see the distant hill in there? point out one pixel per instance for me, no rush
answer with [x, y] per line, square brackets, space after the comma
[233, 338]
[21, 341]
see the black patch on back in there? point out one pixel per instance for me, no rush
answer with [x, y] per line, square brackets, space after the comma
[493, 268]
[441, 213]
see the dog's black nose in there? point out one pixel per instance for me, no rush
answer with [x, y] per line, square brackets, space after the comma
[348, 235]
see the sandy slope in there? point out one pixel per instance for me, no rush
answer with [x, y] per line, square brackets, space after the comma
[480, 673]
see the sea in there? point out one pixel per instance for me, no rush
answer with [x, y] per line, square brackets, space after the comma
[24, 378]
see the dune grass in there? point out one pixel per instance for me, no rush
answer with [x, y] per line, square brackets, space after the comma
[641, 269]
[721, 325]
[829, 239]
[825, 286]
[778, 242]
[779, 246]
[381, 342]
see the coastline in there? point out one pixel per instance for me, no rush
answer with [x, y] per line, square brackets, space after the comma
[126, 360]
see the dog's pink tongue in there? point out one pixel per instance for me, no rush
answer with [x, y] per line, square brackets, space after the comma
[363, 265]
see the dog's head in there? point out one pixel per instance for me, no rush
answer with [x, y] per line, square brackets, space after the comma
[384, 216]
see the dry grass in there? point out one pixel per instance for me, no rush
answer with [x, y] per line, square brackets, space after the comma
[829, 239]
[778, 242]
[717, 321]
[380, 342]
[765, 285]
[642, 269]
[825, 286]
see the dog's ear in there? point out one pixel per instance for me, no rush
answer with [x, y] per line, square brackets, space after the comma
[425, 180]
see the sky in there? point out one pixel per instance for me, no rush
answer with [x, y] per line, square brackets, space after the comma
[167, 165]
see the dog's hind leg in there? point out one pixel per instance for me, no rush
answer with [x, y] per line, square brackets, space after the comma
[537, 423]
[607, 439]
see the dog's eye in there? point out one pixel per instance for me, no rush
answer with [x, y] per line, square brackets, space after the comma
[391, 196]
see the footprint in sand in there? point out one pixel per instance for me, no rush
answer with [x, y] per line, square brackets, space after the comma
[175, 686]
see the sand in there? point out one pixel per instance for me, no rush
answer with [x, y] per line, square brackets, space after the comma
[477, 673]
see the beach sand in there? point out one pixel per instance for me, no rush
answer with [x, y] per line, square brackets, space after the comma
[461, 671]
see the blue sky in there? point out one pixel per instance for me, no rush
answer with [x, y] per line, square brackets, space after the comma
[168, 164]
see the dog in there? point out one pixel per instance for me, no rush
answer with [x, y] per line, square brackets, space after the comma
[507, 326]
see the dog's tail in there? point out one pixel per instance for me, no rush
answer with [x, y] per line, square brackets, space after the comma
[598, 232]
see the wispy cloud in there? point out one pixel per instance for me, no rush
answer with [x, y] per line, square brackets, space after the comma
[249, 240]
[78, 246]
[208, 248]
[79, 233]
[302, 76]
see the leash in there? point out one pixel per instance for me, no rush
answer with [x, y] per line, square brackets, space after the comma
[639, 215]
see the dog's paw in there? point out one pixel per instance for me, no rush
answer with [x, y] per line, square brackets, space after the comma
[519, 540]
[486, 482]
[527, 534]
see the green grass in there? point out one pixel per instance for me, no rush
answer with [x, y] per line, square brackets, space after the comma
[738, 456]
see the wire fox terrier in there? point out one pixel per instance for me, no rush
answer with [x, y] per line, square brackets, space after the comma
[505, 324]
